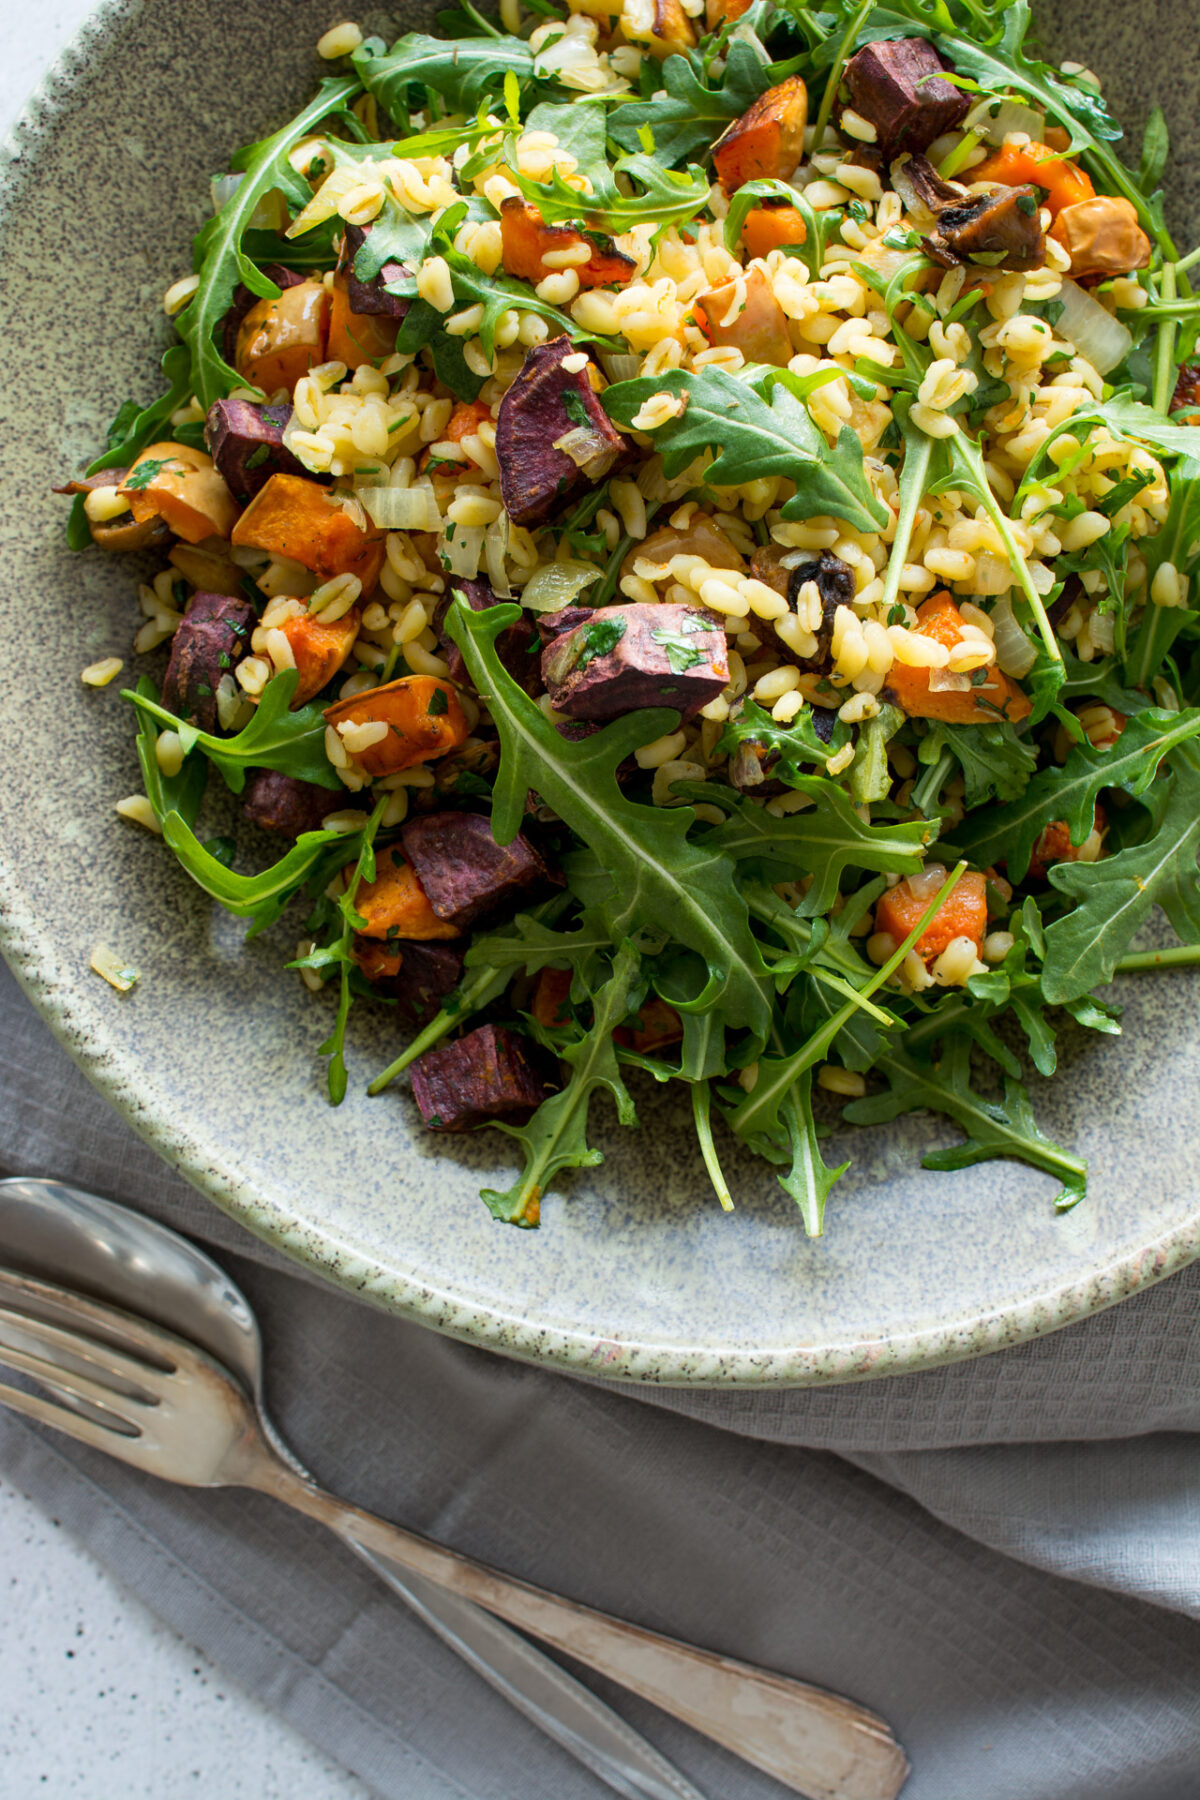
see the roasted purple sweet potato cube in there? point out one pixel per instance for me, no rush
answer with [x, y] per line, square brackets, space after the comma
[465, 873]
[372, 296]
[628, 657]
[485, 1075]
[513, 646]
[243, 300]
[214, 636]
[416, 976]
[545, 403]
[898, 88]
[246, 444]
[284, 806]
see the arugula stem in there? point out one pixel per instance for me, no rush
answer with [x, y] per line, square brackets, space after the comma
[1187, 262]
[702, 1119]
[835, 72]
[950, 165]
[1164, 349]
[968, 451]
[334, 1046]
[1181, 956]
[913, 477]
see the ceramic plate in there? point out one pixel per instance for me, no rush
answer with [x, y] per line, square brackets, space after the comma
[213, 1058]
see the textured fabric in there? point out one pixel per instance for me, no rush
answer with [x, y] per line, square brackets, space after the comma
[1023, 1612]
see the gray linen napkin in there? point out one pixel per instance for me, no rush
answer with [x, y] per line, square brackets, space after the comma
[1021, 1606]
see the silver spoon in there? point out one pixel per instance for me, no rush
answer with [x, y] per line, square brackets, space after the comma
[142, 1393]
[118, 1255]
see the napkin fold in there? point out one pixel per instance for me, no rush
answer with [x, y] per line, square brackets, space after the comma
[1002, 1557]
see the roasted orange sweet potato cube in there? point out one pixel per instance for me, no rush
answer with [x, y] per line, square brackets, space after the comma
[179, 485]
[772, 226]
[1102, 236]
[395, 903]
[423, 717]
[996, 697]
[464, 422]
[320, 649]
[357, 338]
[659, 26]
[526, 240]
[550, 998]
[292, 516]
[278, 341]
[745, 312]
[658, 1025]
[963, 913]
[1054, 844]
[724, 12]
[768, 140]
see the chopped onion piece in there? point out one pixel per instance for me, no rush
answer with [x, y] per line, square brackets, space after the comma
[1094, 333]
[620, 368]
[495, 545]
[1013, 115]
[946, 681]
[589, 450]
[463, 550]
[556, 584]
[412, 508]
[1015, 655]
[324, 203]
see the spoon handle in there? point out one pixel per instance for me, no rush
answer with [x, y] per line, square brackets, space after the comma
[819, 1744]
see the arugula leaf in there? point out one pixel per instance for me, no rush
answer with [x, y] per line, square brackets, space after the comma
[789, 745]
[181, 793]
[262, 897]
[993, 1128]
[694, 112]
[754, 435]
[461, 72]
[870, 774]
[1070, 793]
[809, 1180]
[820, 226]
[134, 427]
[993, 760]
[1113, 898]
[556, 1137]
[218, 254]
[653, 875]
[275, 738]
[665, 198]
[1177, 541]
[497, 293]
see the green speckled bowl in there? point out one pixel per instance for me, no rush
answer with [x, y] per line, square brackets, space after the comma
[213, 1056]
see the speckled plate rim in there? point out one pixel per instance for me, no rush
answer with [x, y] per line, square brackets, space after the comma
[29, 951]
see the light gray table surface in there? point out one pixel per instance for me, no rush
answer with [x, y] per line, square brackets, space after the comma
[102, 1701]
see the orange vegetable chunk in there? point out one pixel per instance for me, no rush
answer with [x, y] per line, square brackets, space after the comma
[357, 338]
[320, 649]
[772, 226]
[720, 12]
[185, 492]
[395, 903]
[1102, 236]
[962, 914]
[664, 29]
[550, 998]
[278, 341]
[768, 140]
[1018, 164]
[423, 717]
[526, 238]
[758, 327]
[995, 698]
[291, 516]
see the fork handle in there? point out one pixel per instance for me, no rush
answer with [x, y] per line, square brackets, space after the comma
[820, 1745]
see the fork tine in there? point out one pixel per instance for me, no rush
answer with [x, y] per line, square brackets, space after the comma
[137, 1338]
[73, 1424]
[111, 1369]
[70, 1384]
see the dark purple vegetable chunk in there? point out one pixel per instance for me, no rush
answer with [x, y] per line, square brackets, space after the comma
[485, 1075]
[898, 88]
[372, 296]
[213, 636]
[415, 975]
[514, 646]
[835, 584]
[243, 300]
[466, 874]
[627, 657]
[544, 403]
[246, 444]
[283, 805]
[1004, 227]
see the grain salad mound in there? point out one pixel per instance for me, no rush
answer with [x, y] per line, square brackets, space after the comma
[684, 517]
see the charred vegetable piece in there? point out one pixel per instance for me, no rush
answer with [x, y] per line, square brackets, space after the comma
[467, 875]
[423, 718]
[1102, 236]
[372, 296]
[835, 584]
[416, 976]
[1002, 226]
[922, 189]
[214, 634]
[527, 239]
[179, 485]
[724, 12]
[284, 806]
[319, 649]
[771, 226]
[1054, 845]
[744, 312]
[294, 516]
[243, 300]
[278, 341]
[356, 338]
[963, 913]
[124, 532]
[768, 140]
[246, 443]
[514, 646]
[994, 698]
[766, 565]
[395, 905]
[485, 1075]
[898, 88]
[628, 657]
[1187, 394]
[544, 404]
[551, 999]
[659, 26]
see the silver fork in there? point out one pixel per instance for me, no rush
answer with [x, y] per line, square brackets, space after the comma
[157, 1402]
